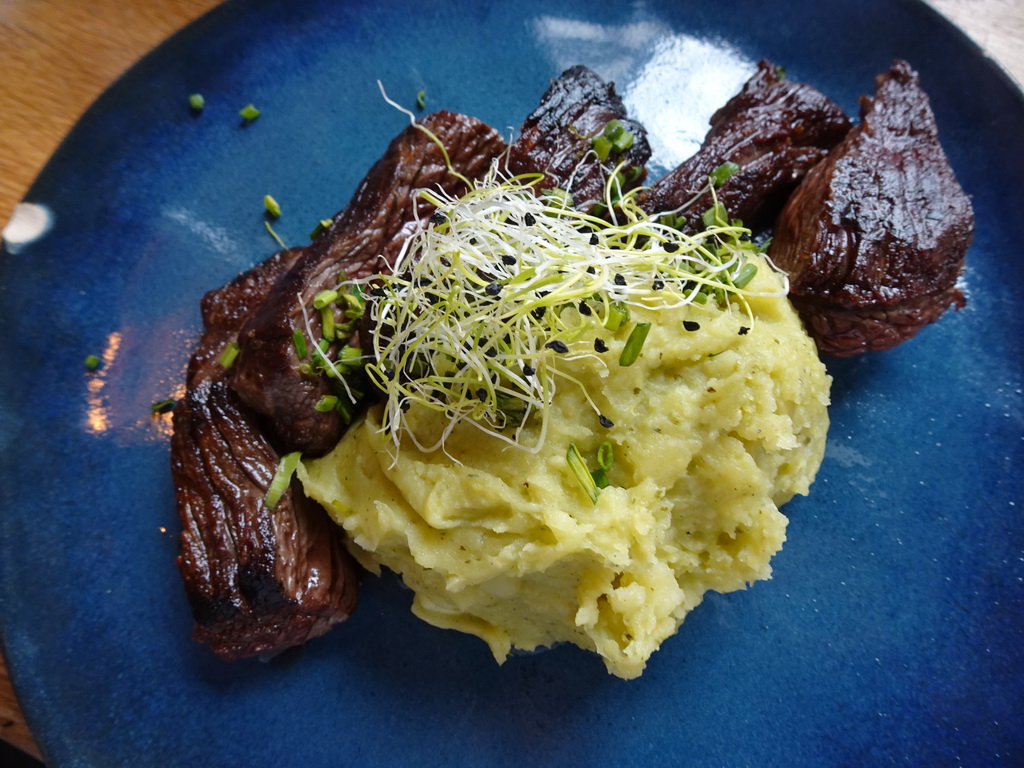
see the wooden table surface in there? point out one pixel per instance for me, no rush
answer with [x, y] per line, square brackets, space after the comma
[56, 56]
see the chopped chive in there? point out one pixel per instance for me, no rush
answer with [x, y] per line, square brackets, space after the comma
[421, 100]
[349, 358]
[605, 455]
[635, 342]
[282, 478]
[273, 234]
[557, 197]
[92, 362]
[673, 221]
[324, 298]
[745, 276]
[327, 321]
[618, 313]
[196, 102]
[321, 226]
[163, 406]
[602, 146]
[716, 215]
[272, 206]
[326, 404]
[345, 410]
[227, 357]
[600, 478]
[623, 141]
[249, 113]
[299, 339]
[723, 173]
[579, 469]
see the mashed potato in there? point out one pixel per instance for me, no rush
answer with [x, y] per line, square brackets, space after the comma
[713, 429]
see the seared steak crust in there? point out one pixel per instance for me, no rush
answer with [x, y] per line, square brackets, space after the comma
[774, 130]
[257, 579]
[363, 239]
[555, 138]
[874, 238]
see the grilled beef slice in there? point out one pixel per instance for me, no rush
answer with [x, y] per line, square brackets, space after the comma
[555, 138]
[258, 580]
[774, 130]
[874, 238]
[364, 238]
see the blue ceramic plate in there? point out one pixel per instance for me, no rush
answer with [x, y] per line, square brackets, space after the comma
[892, 629]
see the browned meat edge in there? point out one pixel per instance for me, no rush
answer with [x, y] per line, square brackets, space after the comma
[775, 130]
[258, 580]
[874, 239]
[364, 238]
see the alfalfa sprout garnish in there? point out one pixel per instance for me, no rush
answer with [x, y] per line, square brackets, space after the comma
[491, 297]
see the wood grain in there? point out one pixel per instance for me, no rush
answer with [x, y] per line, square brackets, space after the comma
[56, 57]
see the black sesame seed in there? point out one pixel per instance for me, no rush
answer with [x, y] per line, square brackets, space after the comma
[539, 312]
[405, 406]
[619, 280]
[671, 247]
[529, 220]
[481, 395]
[657, 285]
[743, 330]
[438, 218]
[528, 370]
[691, 325]
[600, 346]
[558, 346]
[493, 289]
[508, 258]
[594, 239]
[585, 308]
[591, 270]
[605, 421]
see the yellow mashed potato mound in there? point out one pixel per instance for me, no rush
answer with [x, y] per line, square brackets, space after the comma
[714, 429]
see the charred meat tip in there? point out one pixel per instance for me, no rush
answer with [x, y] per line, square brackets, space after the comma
[557, 138]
